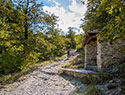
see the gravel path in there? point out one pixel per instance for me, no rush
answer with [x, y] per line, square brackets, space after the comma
[45, 81]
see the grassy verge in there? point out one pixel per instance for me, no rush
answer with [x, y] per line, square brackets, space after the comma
[7, 79]
[74, 63]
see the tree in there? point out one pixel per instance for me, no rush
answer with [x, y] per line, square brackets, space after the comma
[19, 51]
[32, 13]
[91, 22]
[79, 41]
[107, 16]
[71, 36]
[114, 27]
[50, 23]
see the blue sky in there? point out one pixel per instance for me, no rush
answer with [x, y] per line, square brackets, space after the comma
[69, 12]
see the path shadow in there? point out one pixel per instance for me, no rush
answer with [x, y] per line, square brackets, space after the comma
[79, 86]
[49, 73]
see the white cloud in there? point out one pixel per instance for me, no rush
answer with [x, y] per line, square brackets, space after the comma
[67, 19]
[77, 8]
[57, 4]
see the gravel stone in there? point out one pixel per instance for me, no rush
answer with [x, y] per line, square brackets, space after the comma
[45, 81]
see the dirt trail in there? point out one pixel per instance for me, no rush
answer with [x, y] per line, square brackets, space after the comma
[44, 81]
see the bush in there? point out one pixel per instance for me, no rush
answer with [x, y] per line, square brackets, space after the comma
[14, 61]
[10, 62]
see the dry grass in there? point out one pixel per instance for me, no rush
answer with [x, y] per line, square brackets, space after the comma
[60, 58]
[74, 63]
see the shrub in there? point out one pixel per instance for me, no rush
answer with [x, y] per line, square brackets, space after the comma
[10, 62]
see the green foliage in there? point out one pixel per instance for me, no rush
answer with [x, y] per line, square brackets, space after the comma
[43, 41]
[8, 62]
[29, 36]
[107, 15]
[115, 24]
[79, 41]
[71, 36]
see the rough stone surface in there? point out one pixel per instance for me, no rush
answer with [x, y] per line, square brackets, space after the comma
[45, 81]
[79, 73]
[90, 54]
[108, 53]
[100, 55]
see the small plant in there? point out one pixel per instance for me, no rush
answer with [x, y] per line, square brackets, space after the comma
[60, 72]
[93, 90]
[79, 90]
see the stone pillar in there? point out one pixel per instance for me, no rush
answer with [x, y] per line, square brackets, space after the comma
[99, 56]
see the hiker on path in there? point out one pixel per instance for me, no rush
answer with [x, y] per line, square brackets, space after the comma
[68, 53]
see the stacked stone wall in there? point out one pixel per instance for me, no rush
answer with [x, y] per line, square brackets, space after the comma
[108, 53]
